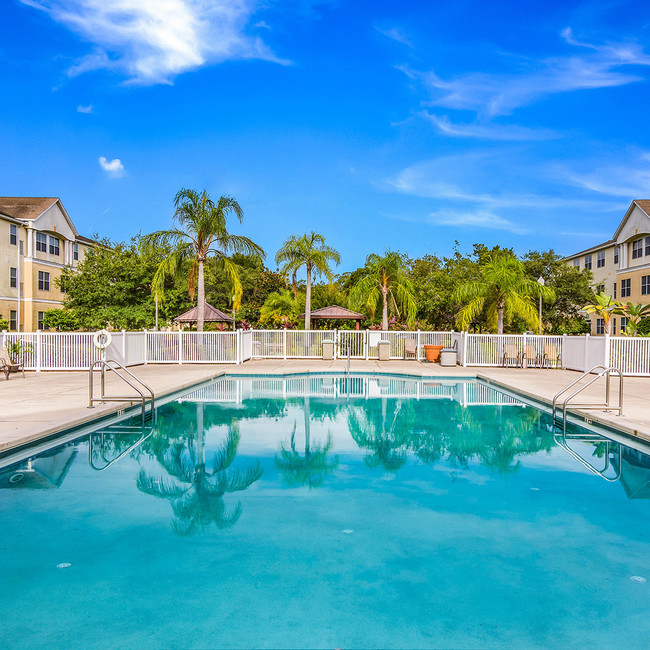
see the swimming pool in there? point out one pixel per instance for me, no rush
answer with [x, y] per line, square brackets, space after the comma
[316, 511]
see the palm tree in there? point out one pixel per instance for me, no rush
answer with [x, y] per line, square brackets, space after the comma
[196, 493]
[280, 307]
[311, 252]
[504, 288]
[202, 232]
[384, 279]
[604, 307]
[313, 466]
[635, 314]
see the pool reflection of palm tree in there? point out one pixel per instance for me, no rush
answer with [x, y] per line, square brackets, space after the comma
[373, 429]
[195, 492]
[313, 466]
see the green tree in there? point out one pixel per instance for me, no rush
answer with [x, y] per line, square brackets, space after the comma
[280, 308]
[112, 286]
[384, 280]
[61, 320]
[634, 314]
[202, 232]
[504, 290]
[604, 307]
[311, 252]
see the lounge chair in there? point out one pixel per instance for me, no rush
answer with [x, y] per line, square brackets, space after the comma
[410, 347]
[511, 355]
[530, 357]
[7, 365]
[552, 357]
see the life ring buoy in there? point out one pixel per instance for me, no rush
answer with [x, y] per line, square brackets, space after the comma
[102, 339]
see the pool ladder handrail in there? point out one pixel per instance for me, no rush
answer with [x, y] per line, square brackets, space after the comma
[116, 366]
[561, 441]
[604, 371]
[146, 433]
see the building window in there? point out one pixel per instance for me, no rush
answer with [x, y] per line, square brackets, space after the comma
[645, 285]
[576, 263]
[43, 281]
[13, 320]
[13, 277]
[637, 248]
[600, 259]
[588, 261]
[41, 316]
[75, 251]
[41, 242]
[614, 289]
[614, 326]
[600, 326]
[600, 288]
[626, 286]
[624, 322]
[615, 254]
[54, 245]
[13, 235]
[647, 245]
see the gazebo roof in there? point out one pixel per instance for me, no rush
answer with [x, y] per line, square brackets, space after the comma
[335, 312]
[212, 315]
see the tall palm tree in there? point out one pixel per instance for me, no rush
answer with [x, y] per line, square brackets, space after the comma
[313, 466]
[195, 492]
[505, 290]
[311, 252]
[202, 232]
[384, 279]
[604, 307]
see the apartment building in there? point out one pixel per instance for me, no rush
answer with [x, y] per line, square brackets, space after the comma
[621, 266]
[37, 240]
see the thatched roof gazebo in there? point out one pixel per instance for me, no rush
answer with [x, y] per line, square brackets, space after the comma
[334, 312]
[212, 315]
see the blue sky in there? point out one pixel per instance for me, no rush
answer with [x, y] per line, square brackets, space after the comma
[401, 125]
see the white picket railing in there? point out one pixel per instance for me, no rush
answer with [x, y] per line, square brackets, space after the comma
[75, 351]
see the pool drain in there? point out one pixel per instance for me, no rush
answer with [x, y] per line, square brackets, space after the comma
[638, 579]
[63, 565]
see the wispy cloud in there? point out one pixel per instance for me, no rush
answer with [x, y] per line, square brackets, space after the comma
[113, 167]
[486, 131]
[490, 95]
[152, 41]
[85, 109]
[395, 34]
[476, 219]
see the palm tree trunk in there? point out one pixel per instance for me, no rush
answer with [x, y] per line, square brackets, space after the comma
[384, 311]
[500, 307]
[308, 300]
[200, 316]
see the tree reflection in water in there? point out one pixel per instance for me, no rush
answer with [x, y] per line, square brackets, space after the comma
[195, 492]
[313, 466]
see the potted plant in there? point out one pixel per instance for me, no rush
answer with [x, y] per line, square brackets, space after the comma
[16, 349]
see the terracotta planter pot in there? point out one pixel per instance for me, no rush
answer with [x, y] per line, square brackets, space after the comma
[432, 352]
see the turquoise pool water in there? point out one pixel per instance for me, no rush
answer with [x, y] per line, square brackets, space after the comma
[313, 512]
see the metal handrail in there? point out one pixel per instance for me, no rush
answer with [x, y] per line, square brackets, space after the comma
[104, 364]
[138, 442]
[585, 463]
[604, 370]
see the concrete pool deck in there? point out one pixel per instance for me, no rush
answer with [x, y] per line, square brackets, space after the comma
[44, 403]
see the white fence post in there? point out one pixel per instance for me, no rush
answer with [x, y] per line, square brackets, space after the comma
[180, 347]
[238, 345]
[4, 337]
[124, 346]
[284, 345]
[464, 343]
[417, 347]
[39, 350]
[564, 340]
[523, 353]
[585, 367]
[606, 351]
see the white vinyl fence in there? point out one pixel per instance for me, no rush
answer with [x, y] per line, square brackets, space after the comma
[75, 351]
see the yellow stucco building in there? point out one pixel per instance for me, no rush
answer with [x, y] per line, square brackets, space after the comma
[37, 240]
[621, 266]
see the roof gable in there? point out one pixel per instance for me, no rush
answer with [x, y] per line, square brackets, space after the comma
[635, 222]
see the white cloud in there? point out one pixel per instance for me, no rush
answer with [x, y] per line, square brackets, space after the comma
[85, 109]
[152, 41]
[476, 219]
[495, 94]
[396, 35]
[113, 167]
[486, 132]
